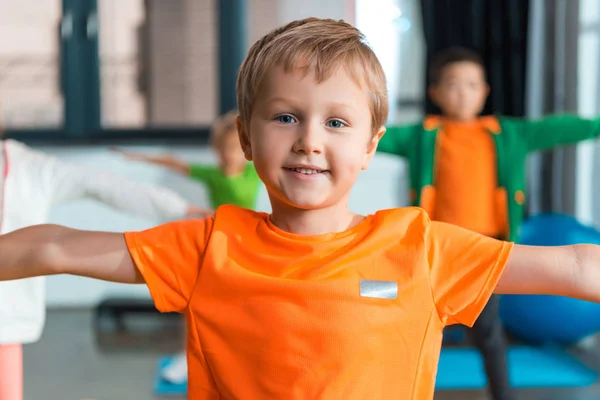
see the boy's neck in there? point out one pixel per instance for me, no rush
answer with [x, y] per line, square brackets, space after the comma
[456, 120]
[232, 170]
[313, 222]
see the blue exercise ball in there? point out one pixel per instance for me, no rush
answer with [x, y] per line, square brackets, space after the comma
[542, 319]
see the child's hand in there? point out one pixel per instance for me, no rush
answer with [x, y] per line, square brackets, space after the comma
[130, 155]
[164, 161]
[199, 212]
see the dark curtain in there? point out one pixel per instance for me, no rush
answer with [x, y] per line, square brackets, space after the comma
[497, 30]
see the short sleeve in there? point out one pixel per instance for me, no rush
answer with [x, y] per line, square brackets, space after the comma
[464, 270]
[202, 172]
[169, 257]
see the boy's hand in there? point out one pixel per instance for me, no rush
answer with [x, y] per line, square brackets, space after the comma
[53, 249]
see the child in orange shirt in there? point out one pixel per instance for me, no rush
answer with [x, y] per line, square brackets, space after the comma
[310, 301]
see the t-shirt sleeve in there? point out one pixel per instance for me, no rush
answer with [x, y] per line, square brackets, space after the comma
[202, 172]
[169, 257]
[464, 270]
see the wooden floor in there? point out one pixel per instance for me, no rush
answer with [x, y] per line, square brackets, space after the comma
[71, 362]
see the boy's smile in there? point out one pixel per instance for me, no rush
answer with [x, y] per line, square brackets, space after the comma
[305, 171]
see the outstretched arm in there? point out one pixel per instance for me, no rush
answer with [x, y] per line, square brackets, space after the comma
[164, 161]
[64, 182]
[572, 271]
[555, 130]
[466, 268]
[53, 249]
[397, 140]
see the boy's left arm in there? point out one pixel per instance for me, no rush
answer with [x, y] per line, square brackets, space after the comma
[572, 271]
[466, 268]
[554, 131]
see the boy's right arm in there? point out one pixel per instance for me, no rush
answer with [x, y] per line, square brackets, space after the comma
[396, 139]
[53, 249]
[167, 258]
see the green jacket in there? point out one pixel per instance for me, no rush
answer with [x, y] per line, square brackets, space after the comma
[514, 139]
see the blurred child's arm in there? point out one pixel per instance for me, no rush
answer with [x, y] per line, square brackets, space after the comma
[164, 161]
[557, 130]
[65, 182]
[53, 249]
[572, 271]
[397, 139]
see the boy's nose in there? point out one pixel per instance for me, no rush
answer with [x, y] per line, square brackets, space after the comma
[310, 139]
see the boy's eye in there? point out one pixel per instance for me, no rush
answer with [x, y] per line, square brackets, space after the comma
[335, 123]
[286, 119]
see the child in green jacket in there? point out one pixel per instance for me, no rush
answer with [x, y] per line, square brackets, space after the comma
[469, 170]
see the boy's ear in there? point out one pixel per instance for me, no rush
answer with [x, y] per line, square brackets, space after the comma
[486, 87]
[433, 91]
[372, 147]
[244, 138]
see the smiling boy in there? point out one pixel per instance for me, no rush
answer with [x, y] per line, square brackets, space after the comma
[310, 301]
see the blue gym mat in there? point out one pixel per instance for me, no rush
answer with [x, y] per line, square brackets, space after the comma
[164, 388]
[529, 367]
[462, 368]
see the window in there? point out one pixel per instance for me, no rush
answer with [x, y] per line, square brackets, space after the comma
[30, 92]
[97, 71]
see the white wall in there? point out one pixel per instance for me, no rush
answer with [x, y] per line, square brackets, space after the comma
[290, 10]
[381, 186]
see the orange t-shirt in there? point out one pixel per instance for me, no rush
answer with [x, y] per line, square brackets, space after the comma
[352, 315]
[466, 178]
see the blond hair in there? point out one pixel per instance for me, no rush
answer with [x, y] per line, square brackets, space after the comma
[322, 46]
[223, 126]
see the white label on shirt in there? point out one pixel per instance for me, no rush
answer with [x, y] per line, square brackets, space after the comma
[379, 289]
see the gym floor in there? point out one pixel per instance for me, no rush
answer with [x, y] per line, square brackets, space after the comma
[72, 362]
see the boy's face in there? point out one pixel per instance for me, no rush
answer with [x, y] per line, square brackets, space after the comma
[461, 91]
[229, 150]
[308, 140]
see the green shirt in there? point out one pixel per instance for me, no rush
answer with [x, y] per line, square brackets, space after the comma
[240, 190]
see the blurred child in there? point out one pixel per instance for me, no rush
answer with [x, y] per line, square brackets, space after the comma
[31, 183]
[311, 301]
[232, 181]
[469, 171]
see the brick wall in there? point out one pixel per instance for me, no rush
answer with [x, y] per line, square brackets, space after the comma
[182, 81]
[158, 57]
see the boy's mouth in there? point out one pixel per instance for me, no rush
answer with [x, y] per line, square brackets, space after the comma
[307, 170]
